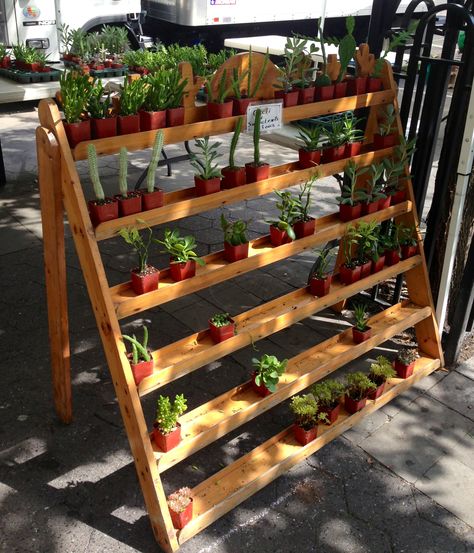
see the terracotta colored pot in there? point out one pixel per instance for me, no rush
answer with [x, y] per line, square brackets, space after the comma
[304, 228]
[357, 85]
[374, 394]
[278, 237]
[130, 205]
[5, 62]
[240, 105]
[332, 413]
[320, 286]
[349, 276]
[142, 370]
[180, 520]
[404, 371]
[260, 390]
[206, 186]
[219, 111]
[221, 333]
[306, 95]
[340, 89]
[77, 132]
[182, 271]
[386, 141]
[352, 149]
[349, 212]
[116, 65]
[369, 208]
[103, 128]
[308, 158]
[392, 257]
[152, 200]
[378, 265]
[399, 197]
[365, 269]
[166, 442]
[303, 436]
[408, 251]
[352, 406]
[324, 93]
[257, 173]
[384, 203]
[128, 124]
[105, 212]
[374, 84]
[235, 253]
[333, 153]
[175, 117]
[144, 283]
[152, 120]
[233, 177]
[360, 336]
[290, 99]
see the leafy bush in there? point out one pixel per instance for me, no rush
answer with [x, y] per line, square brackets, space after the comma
[268, 370]
[328, 392]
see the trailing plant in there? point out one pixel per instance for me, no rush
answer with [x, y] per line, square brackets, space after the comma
[398, 39]
[328, 392]
[123, 172]
[360, 316]
[203, 161]
[140, 245]
[358, 385]
[140, 352]
[98, 106]
[367, 240]
[374, 185]
[268, 370]
[179, 500]
[94, 174]
[234, 141]
[222, 90]
[346, 47]
[310, 135]
[155, 158]
[167, 412]
[256, 138]
[75, 92]
[350, 130]
[386, 126]
[221, 319]
[235, 233]
[303, 202]
[180, 248]
[350, 195]
[288, 208]
[320, 267]
[381, 370]
[132, 96]
[156, 91]
[406, 356]
[306, 411]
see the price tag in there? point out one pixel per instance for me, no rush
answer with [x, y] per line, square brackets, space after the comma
[272, 116]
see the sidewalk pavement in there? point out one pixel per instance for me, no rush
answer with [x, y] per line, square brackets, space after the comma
[402, 481]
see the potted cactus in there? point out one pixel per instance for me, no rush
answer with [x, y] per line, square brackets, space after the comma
[349, 201]
[361, 331]
[236, 242]
[408, 241]
[131, 100]
[180, 504]
[309, 154]
[281, 231]
[357, 389]
[103, 122]
[140, 359]
[153, 112]
[174, 107]
[388, 134]
[207, 180]
[303, 223]
[221, 327]
[101, 209]
[268, 370]
[320, 280]
[130, 202]
[324, 87]
[75, 91]
[218, 106]
[335, 147]
[304, 82]
[353, 136]
[244, 90]
[346, 49]
[293, 56]
[307, 416]
[166, 428]
[405, 362]
[153, 197]
[232, 175]
[350, 271]
[379, 373]
[256, 170]
[183, 258]
[328, 394]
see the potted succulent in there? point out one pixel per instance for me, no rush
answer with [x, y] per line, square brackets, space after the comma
[218, 106]
[367, 240]
[303, 223]
[304, 82]
[307, 416]
[243, 97]
[140, 359]
[145, 278]
[310, 154]
[153, 197]
[207, 180]
[372, 194]
[293, 56]
[130, 202]
[350, 270]
[103, 122]
[166, 428]
[395, 170]
[131, 100]
[358, 387]
[5, 59]
[361, 331]
[281, 231]
[101, 209]
[328, 394]
[236, 242]
[256, 170]
[335, 147]
[324, 87]
[75, 91]
[221, 327]
[387, 135]
[379, 373]
[320, 280]
[346, 49]
[268, 370]
[349, 201]
[392, 244]
[378, 253]
[232, 175]
[180, 504]
[353, 136]
[174, 106]
[153, 112]
[405, 362]
[408, 241]
[183, 258]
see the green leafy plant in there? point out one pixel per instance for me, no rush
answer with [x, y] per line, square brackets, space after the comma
[155, 158]
[381, 370]
[303, 201]
[215, 60]
[288, 208]
[221, 319]
[351, 239]
[408, 236]
[94, 174]
[115, 39]
[180, 248]
[386, 127]
[346, 47]
[295, 59]
[350, 195]
[167, 412]
[395, 167]
[358, 385]
[367, 240]
[351, 132]
[140, 245]
[268, 370]
[175, 85]
[235, 233]
[310, 135]
[374, 185]
[156, 91]
[65, 37]
[360, 316]
[398, 39]
[324, 258]
[306, 411]
[99, 105]
[78, 39]
[234, 141]
[139, 349]
[328, 392]
[391, 237]
[222, 90]
[203, 161]
[336, 133]
[3, 51]
[26, 54]
[75, 93]
[406, 356]
[132, 97]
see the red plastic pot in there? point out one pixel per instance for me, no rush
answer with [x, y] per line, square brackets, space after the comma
[369, 208]
[175, 117]
[180, 520]
[304, 228]
[333, 153]
[340, 89]
[374, 394]
[261, 390]
[404, 371]
[308, 158]
[142, 283]
[332, 413]
[365, 269]
[152, 120]
[167, 441]
[385, 141]
[303, 436]
[240, 105]
[349, 275]
[320, 286]
[392, 257]
[219, 111]
[384, 203]
[116, 65]
[306, 95]
[357, 86]
[128, 124]
[141, 370]
[378, 265]
[349, 212]
[103, 128]
[100, 213]
[255, 173]
[5, 62]
[221, 333]
[352, 149]
[399, 197]
[182, 271]
[152, 200]
[290, 99]
[278, 237]
[130, 205]
[360, 336]
[235, 253]
[324, 93]
[233, 177]
[206, 186]
[408, 251]
[374, 84]
[77, 132]
[352, 406]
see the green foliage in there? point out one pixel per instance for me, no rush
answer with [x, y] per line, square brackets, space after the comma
[322, 79]
[310, 135]
[175, 85]
[155, 158]
[167, 412]
[367, 240]
[180, 248]
[374, 185]
[350, 130]
[203, 160]
[398, 39]
[221, 319]
[123, 172]
[395, 167]
[94, 173]
[75, 93]
[328, 392]
[408, 235]
[140, 245]
[252, 90]
[351, 238]
[235, 233]
[295, 56]
[360, 316]
[358, 385]
[289, 211]
[3, 51]
[215, 60]
[324, 258]
[303, 201]
[156, 91]
[234, 141]
[268, 370]
[391, 237]
[222, 91]
[79, 44]
[336, 133]
[306, 411]
[256, 137]
[99, 105]
[24, 53]
[349, 194]
[381, 370]
[406, 356]
[114, 39]
[139, 349]
[346, 47]
[65, 37]
[132, 97]
[386, 127]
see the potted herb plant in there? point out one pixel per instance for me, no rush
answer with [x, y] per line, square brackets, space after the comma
[256, 170]
[236, 242]
[153, 112]
[303, 223]
[180, 504]
[244, 96]
[207, 180]
[310, 154]
[281, 231]
[166, 428]
[268, 370]
[221, 327]
[183, 258]
[320, 281]
[132, 98]
[307, 416]
[218, 106]
[174, 106]
[408, 242]
[103, 122]
[387, 135]
[405, 362]
[328, 394]
[75, 91]
[141, 361]
[101, 209]
[335, 147]
[353, 136]
[379, 373]
[358, 387]
[349, 201]
[232, 175]
[130, 202]
[350, 270]
[153, 197]
[324, 87]
[361, 331]
[293, 55]
[372, 192]
[367, 240]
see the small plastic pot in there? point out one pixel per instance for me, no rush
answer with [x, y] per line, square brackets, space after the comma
[152, 200]
[308, 158]
[141, 370]
[349, 275]
[175, 117]
[399, 197]
[130, 205]
[233, 177]
[378, 265]
[166, 442]
[240, 105]
[374, 84]
[303, 436]
[357, 86]
[219, 111]
[404, 371]
[349, 212]
[255, 173]
[408, 251]
[235, 253]
[384, 203]
[352, 406]
[152, 120]
[5, 62]
[320, 286]
[333, 153]
[221, 333]
[306, 95]
[304, 228]
[385, 141]
[369, 208]
[340, 89]
[360, 336]
[392, 257]
[374, 394]
[324, 93]
[182, 271]
[365, 269]
[278, 237]
[77, 132]
[145, 282]
[100, 213]
[207, 186]
[128, 124]
[261, 390]
[290, 99]
[352, 149]
[104, 128]
[332, 413]
[180, 520]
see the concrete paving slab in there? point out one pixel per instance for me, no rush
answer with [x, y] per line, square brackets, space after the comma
[466, 368]
[456, 392]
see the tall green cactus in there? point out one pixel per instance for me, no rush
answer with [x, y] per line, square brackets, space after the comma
[256, 137]
[253, 92]
[94, 173]
[139, 350]
[123, 170]
[155, 158]
[235, 139]
[347, 47]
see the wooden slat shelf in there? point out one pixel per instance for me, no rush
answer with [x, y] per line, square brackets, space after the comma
[180, 358]
[221, 415]
[224, 490]
[217, 269]
[173, 135]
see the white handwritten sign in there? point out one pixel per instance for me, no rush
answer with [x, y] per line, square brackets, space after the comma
[271, 116]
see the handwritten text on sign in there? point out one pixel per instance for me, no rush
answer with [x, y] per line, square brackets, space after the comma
[271, 116]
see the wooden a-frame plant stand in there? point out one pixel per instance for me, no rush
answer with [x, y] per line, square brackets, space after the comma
[59, 182]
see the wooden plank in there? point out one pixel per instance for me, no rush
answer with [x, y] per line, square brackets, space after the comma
[217, 269]
[174, 135]
[190, 353]
[215, 418]
[223, 491]
[184, 203]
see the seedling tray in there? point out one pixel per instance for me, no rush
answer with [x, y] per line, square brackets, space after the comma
[103, 73]
[30, 76]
